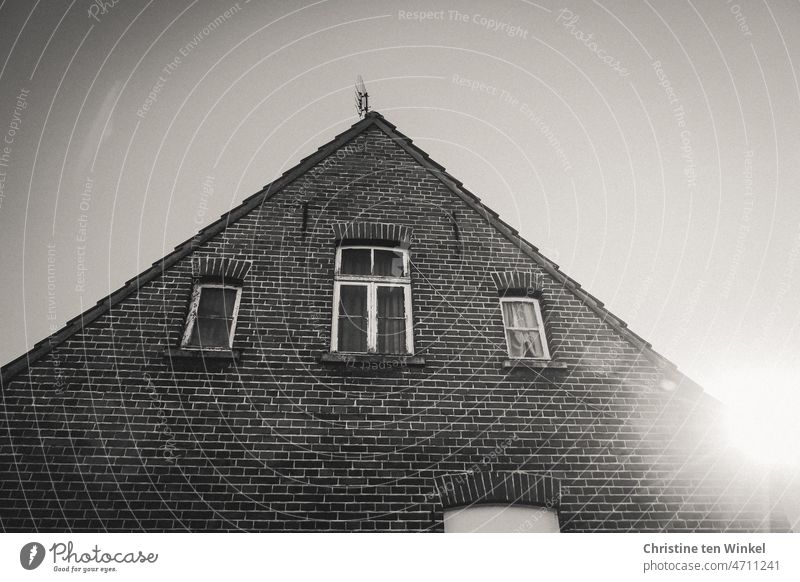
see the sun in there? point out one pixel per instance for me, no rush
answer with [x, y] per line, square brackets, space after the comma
[762, 414]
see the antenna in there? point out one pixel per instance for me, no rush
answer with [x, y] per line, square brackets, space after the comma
[362, 97]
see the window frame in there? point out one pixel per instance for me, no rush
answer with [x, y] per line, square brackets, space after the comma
[372, 283]
[493, 514]
[546, 356]
[191, 317]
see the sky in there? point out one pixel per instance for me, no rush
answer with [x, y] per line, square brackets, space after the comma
[649, 148]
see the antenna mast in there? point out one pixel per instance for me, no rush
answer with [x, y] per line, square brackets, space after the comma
[362, 97]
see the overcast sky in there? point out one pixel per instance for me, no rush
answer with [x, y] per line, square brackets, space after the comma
[649, 148]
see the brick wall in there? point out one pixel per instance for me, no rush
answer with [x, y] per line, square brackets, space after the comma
[106, 432]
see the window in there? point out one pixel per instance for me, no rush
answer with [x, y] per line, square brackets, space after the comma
[499, 501]
[372, 301]
[501, 519]
[212, 317]
[525, 336]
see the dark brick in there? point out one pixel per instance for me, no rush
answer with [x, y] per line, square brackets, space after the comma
[102, 433]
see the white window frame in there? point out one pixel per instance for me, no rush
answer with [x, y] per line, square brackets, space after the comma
[194, 305]
[372, 282]
[539, 321]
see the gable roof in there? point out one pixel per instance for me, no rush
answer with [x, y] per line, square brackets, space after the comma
[372, 119]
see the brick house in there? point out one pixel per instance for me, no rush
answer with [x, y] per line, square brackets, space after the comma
[362, 345]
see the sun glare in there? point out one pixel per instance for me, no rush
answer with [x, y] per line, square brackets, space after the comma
[762, 414]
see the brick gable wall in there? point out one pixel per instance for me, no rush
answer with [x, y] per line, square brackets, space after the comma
[107, 432]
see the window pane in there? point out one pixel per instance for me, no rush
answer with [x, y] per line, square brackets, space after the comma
[216, 302]
[210, 333]
[524, 344]
[352, 318]
[388, 263]
[355, 261]
[213, 320]
[519, 314]
[391, 320]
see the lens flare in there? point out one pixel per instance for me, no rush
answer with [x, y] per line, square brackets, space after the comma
[762, 412]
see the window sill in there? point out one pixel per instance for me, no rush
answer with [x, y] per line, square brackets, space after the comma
[534, 365]
[372, 360]
[201, 354]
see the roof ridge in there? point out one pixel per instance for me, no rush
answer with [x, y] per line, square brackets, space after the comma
[373, 117]
[532, 251]
[102, 306]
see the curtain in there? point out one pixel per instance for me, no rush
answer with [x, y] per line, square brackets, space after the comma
[525, 344]
[524, 340]
[352, 318]
[520, 314]
[391, 320]
[214, 318]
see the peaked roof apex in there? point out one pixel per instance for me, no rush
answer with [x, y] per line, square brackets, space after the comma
[371, 118]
